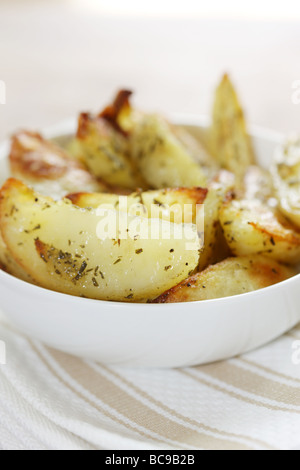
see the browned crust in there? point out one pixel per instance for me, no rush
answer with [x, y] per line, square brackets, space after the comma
[167, 297]
[108, 118]
[12, 183]
[75, 197]
[198, 194]
[84, 121]
[112, 112]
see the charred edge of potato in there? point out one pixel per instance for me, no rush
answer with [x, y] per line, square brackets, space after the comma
[112, 112]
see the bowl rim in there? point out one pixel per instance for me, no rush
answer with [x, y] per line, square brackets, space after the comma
[68, 126]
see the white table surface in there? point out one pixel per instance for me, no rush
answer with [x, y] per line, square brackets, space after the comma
[58, 58]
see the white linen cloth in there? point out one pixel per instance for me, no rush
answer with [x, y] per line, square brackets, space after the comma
[50, 400]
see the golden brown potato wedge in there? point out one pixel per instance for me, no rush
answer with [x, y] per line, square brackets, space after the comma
[103, 144]
[47, 167]
[110, 256]
[229, 141]
[161, 157]
[231, 277]
[286, 178]
[250, 227]
[105, 151]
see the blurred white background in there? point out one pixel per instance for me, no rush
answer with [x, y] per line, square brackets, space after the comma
[59, 57]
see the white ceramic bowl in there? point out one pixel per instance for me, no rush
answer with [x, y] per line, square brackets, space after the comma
[168, 335]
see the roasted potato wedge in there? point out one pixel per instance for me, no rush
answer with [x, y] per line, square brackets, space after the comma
[161, 157]
[251, 227]
[178, 206]
[103, 144]
[215, 248]
[105, 151]
[231, 277]
[286, 179]
[47, 167]
[70, 250]
[230, 143]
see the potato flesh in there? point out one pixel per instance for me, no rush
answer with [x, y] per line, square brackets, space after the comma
[231, 277]
[157, 204]
[115, 265]
[161, 158]
[251, 227]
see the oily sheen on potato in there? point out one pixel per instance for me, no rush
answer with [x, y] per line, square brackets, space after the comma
[60, 246]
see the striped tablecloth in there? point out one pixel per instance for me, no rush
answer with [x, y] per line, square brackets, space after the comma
[50, 400]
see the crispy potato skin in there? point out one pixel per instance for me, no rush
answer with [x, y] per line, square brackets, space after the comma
[44, 165]
[231, 277]
[229, 141]
[251, 227]
[63, 248]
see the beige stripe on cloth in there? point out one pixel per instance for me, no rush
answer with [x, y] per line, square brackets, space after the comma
[251, 402]
[131, 408]
[245, 380]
